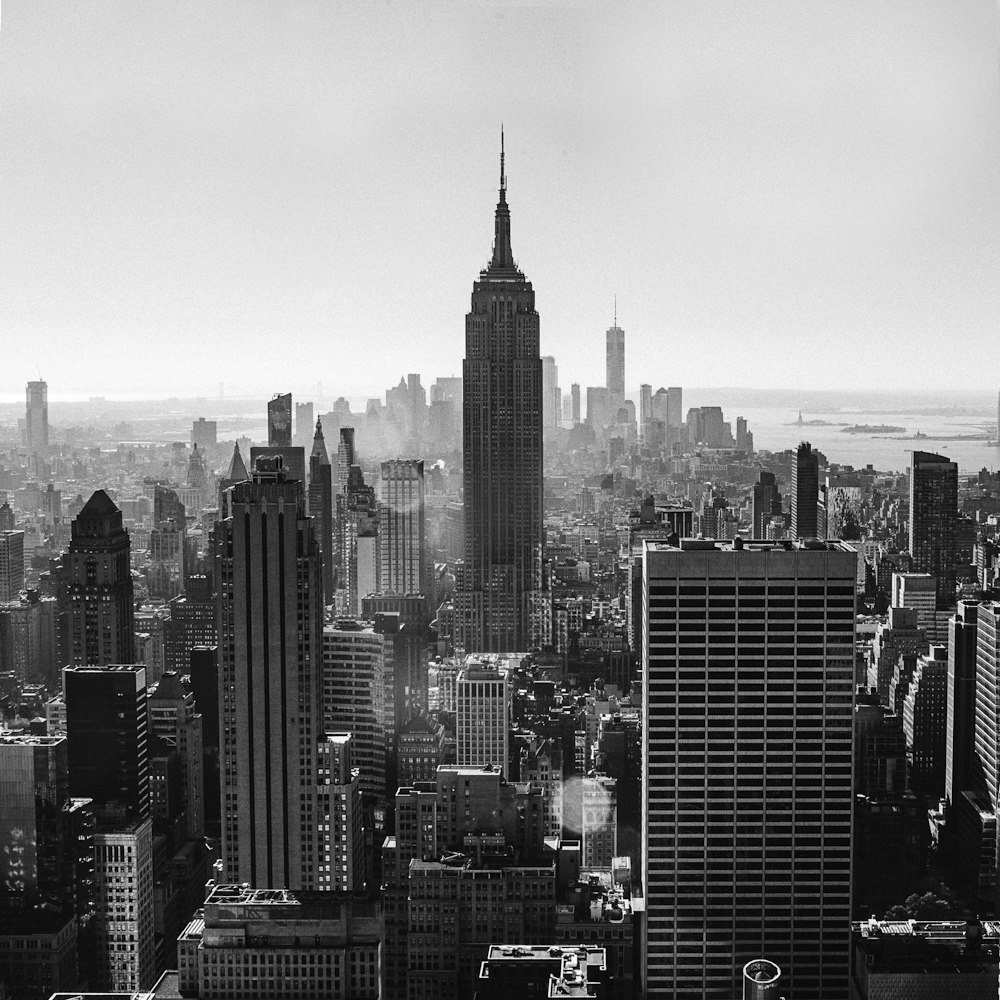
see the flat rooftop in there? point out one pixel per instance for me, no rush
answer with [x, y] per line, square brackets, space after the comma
[749, 545]
[938, 930]
[26, 739]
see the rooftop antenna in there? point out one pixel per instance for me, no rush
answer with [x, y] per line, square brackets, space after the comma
[503, 175]
[616, 310]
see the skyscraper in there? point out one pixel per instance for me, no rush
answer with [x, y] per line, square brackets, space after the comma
[321, 506]
[106, 725]
[550, 391]
[11, 564]
[960, 720]
[645, 407]
[933, 520]
[765, 503]
[279, 421]
[36, 415]
[805, 492]
[616, 365]
[502, 431]
[575, 402]
[304, 424]
[748, 667]
[99, 586]
[270, 615]
[34, 786]
[401, 528]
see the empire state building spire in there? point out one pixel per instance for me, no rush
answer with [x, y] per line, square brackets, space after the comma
[503, 258]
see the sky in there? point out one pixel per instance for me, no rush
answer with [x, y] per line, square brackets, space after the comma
[271, 195]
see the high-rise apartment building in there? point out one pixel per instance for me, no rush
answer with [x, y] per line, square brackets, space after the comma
[321, 506]
[747, 701]
[933, 521]
[98, 577]
[107, 730]
[36, 415]
[270, 616]
[279, 421]
[616, 365]
[11, 565]
[482, 719]
[502, 432]
[805, 492]
[401, 527]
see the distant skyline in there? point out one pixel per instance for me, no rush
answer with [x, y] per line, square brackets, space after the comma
[269, 195]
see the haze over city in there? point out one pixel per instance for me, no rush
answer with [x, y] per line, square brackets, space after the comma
[499, 500]
[777, 193]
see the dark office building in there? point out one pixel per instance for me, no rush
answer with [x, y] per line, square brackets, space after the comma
[933, 521]
[805, 492]
[191, 624]
[106, 726]
[766, 503]
[962, 772]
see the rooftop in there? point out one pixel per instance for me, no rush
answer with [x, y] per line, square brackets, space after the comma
[743, 545]
[26, 739]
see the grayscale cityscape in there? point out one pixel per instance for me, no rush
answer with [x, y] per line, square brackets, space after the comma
[643, 644]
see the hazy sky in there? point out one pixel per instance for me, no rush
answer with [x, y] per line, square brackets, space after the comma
[273, 194]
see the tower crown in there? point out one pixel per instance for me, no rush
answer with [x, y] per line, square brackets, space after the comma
[502, 263]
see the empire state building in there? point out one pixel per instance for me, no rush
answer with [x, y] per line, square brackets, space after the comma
[502, 445]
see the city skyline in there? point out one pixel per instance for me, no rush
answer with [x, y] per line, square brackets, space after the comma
[831, 214]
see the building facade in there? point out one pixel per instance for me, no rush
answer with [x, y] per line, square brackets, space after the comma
[747, 764]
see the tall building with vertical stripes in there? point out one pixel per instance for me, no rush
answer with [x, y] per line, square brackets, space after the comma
[747, 779]
[270, 627]
[502, 450]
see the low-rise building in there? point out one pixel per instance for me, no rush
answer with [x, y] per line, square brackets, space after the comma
[281, 943]
[924, 960]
